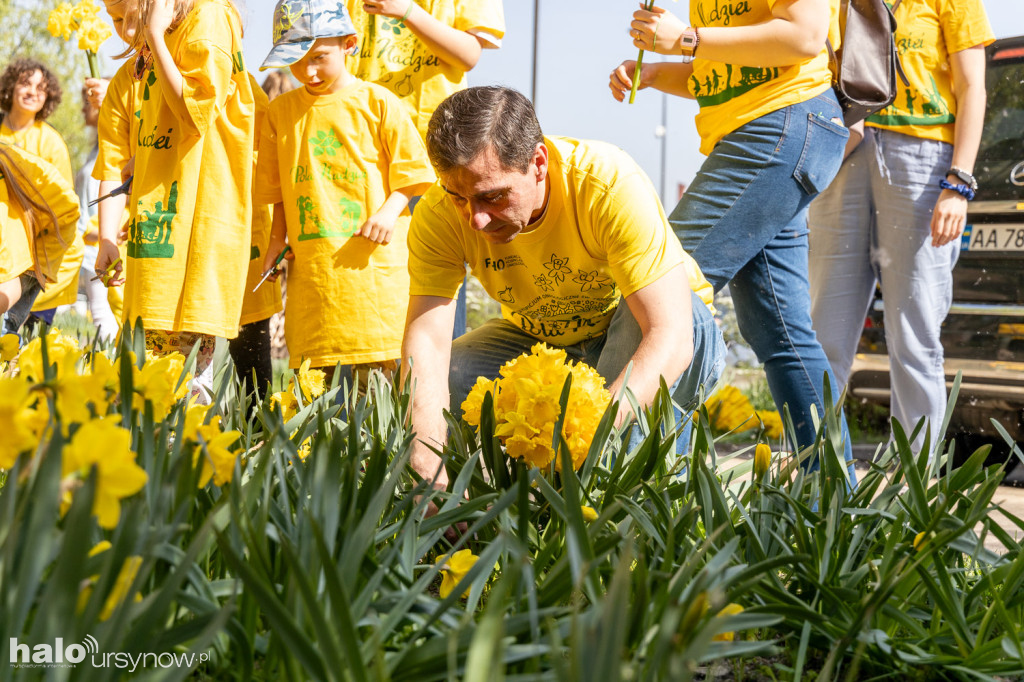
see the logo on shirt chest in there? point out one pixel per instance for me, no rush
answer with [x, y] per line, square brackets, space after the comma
[722, 13]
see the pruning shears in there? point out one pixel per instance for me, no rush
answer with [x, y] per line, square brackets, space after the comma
[273, 268]
[106, 273]
[123, 189]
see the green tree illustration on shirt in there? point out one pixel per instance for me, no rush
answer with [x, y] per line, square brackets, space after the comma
[149, 235]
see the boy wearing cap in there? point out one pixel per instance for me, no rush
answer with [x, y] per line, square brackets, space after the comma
[339, 159]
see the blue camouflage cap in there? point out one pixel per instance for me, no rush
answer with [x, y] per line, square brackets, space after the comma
[297, 25]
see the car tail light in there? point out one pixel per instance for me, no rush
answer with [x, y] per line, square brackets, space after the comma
[1008, 53]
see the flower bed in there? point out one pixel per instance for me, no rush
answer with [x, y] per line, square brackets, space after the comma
[289, 540]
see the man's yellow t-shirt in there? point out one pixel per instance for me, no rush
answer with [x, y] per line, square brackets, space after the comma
[927, 32]
[266, 300]
[332, 161]
[603, 235]
[44, 141]
[191, 210]
[45, 184]
[731, 95]
[391, 55]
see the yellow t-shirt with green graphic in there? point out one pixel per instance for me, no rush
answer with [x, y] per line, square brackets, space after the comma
[927, 32]
[391, 55]
[603, 235]
[191, 210]
[45, 184]
[263, 302]
[332, 161]
[731, 95]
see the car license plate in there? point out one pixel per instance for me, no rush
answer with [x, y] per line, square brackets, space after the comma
[992, 238]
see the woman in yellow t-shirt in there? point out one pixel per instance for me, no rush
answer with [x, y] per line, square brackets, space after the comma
[897, 208]
[29, 94]
[774, 135]
[189, 234]
[38, 218]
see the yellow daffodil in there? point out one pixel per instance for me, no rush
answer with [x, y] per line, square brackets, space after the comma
[527, 398]
[61, 22]
[61, 350]
[104, 444]
[16, 423]
[92, 31]
[195, 416]
[123, 582]
[762, 460]
[9, 345]
[728, 610]
[287, 402]
[589, 513]
[730, 411]
[304, 448]
[311, 381]
[160, 382]
[85, 9]
[921, 540]
[219, 460]
[453, 569]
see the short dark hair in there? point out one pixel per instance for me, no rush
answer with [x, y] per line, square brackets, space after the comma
[17, 70]
[471, 120]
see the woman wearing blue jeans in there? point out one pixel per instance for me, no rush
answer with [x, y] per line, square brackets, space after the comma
[774, 136]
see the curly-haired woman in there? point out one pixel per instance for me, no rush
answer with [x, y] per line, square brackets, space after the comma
[29, 94]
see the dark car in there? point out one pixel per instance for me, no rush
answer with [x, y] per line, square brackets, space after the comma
[983, 336]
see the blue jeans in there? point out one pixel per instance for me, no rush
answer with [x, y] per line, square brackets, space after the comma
[744, 220]
[874, 223]
[482, 352]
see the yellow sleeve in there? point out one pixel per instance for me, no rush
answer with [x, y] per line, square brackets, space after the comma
[632, 229]
[486, 16]
[436, 262]
[408, 165]
[964, 25]
[267, 182]
[206, 67]
[114, 130]
[46, 184]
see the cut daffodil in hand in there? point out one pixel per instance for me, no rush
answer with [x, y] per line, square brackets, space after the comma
[84, 17]
[647, 5]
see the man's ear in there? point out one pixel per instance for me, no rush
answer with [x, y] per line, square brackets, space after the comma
[540, 160]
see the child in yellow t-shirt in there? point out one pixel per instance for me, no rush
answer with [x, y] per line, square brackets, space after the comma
[339, 159]
[189, 234]
[38, 219]
[29, 93]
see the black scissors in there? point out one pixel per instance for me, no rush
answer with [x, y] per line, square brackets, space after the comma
[123, 189]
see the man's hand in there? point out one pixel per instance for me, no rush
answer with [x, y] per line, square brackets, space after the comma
[948, 218]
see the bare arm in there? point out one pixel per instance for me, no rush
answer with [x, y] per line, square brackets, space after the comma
[796, 31]
[666, 320]
[950, 214]
[110, 213]
[450, 45]
[170, 79]
[426, 354]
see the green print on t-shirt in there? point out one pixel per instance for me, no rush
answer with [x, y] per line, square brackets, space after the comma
[918, 108]
[149, 235]
[722, 13]
[325, 142]
[344, 223]
[715, 89]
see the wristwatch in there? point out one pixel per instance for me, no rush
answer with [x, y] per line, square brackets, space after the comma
[964, 177]
[688, 42]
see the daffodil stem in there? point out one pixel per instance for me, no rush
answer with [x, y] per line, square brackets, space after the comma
[636, 76]
[94, 66]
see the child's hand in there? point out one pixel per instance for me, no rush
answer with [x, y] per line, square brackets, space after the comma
[388, 8]
[273, 251]
[378, 228]
[128, 170]
[161, 15]
[109, 267]
[621, 79]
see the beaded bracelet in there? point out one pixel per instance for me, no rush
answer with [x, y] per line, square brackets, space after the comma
[963, 190]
